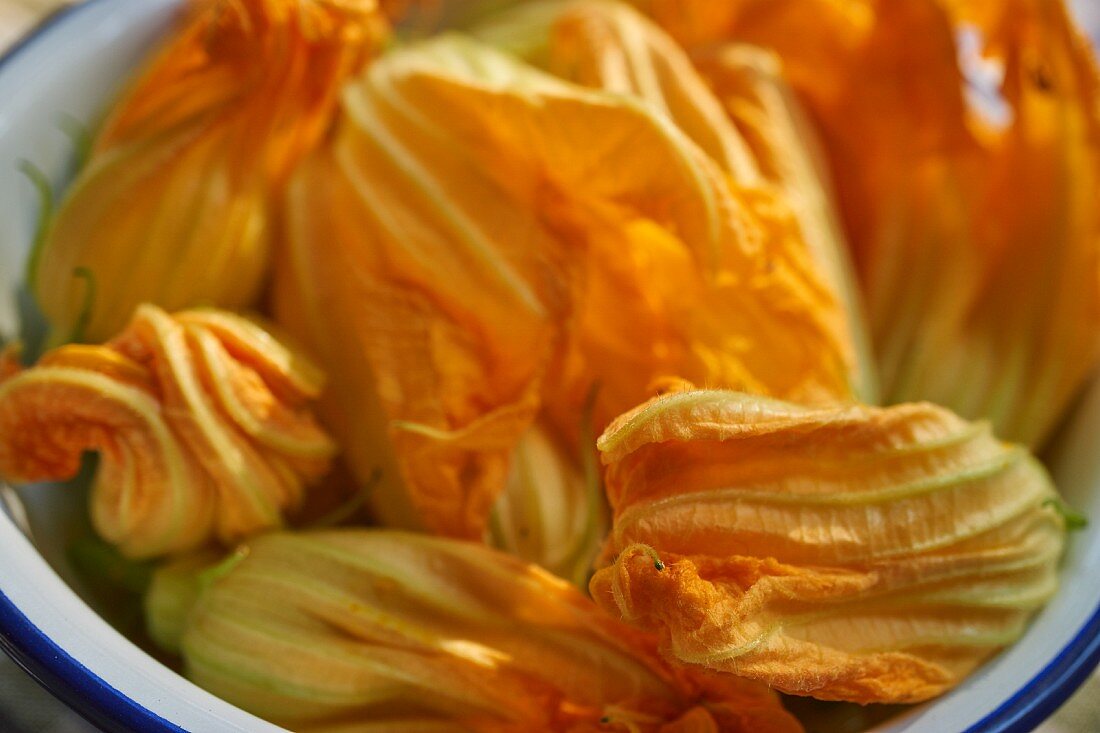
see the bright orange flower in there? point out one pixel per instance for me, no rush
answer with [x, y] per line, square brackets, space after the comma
[173, 204]
[1025, 344]
[756, 130]
[968, 182]
[459, 261]
[199, 419]
[846, 553]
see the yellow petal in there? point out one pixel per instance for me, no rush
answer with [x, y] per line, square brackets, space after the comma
[749, 82]
[855, 553]
[407, 629]
[816, 39]
[103, 361]
[173, 204]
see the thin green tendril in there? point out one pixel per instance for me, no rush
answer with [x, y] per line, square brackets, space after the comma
[1074, 519]
[85, 315]
[45, 213]
[213, 574]
[347, 510]
[649, 552]
[78, 135]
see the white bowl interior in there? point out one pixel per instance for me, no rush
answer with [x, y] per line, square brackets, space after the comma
[72, 68]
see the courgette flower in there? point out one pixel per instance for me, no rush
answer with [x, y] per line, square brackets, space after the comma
[1024, 343]
[751, 86]
[173, 204]
[394, 631]
[200, 421]
[846, 553]
[481, 243]
[964, 140]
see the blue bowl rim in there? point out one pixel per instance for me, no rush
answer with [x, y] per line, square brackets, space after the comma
[28, 646]
[113, 711]
[70, 681]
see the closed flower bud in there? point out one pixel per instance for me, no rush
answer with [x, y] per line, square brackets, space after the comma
[172, 207]
[849, 553]
[551, 512]
[321, 631]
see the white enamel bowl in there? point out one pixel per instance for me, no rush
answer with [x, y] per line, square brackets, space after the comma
[71, 66]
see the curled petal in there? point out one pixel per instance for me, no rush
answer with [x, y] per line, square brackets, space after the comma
[107, 362]
[856, 553]
[287, 371]
[149, 494]
[195, 443]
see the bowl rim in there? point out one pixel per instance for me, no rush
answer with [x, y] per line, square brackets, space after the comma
[31, 649]
[83, 691]
[67, 679]
[1045, 692]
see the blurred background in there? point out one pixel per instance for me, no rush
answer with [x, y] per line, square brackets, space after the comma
[27, 708]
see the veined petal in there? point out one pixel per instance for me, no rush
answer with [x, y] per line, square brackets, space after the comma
[846, 553]
[815, 38]
[610, 46]
[149, 495]
[173, 205]
[421, 631]
[1026, 346]
[480, 267]
[750, 84]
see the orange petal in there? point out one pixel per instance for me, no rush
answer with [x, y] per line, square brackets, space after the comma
[148, 497]
[947, 180]
[194, 445]
[173, 204]
[846, 553]
[480, 266]
[610, 46]
[103, 361]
